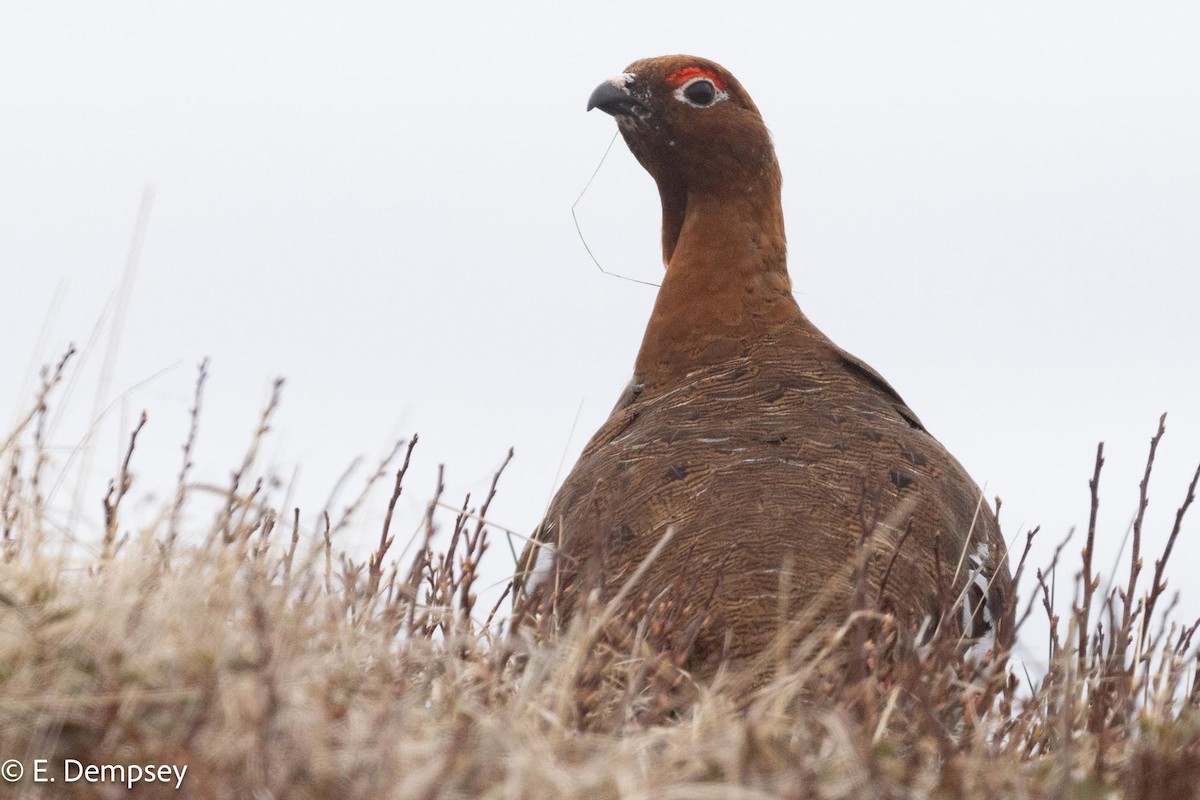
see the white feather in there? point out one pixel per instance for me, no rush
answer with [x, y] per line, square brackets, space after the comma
[982, 646]
[978, 577]
[542, 567]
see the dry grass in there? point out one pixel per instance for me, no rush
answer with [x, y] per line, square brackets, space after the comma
[274, 666]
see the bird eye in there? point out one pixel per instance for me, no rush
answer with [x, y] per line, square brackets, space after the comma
[700, 91]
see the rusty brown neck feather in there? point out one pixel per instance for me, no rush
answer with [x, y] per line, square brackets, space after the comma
[726, 286]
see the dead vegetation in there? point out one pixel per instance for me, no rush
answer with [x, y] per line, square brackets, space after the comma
[272, 664]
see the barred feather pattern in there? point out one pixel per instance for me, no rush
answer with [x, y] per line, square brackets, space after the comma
[773, 455]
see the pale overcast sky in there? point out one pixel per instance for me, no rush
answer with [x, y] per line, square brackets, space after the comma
[996, 205]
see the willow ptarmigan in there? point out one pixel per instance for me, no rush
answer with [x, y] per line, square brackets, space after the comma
[745, 430]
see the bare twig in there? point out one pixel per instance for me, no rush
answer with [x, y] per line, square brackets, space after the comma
[1090, 582]
[188, 445]
[1160, 584]
[224, 526]
[375, 570]
[1121, 637]
[112, 505]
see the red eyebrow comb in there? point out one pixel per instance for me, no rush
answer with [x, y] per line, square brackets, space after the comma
[681, 76]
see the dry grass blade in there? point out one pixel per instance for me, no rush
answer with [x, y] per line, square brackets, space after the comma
[283, 666]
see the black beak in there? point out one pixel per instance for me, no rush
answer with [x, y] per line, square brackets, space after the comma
[612, 100]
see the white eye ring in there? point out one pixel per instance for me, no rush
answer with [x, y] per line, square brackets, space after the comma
[718, 94]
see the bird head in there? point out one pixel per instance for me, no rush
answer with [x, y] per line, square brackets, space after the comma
[689, 122]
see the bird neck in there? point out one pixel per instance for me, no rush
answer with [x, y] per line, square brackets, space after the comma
[726, 285]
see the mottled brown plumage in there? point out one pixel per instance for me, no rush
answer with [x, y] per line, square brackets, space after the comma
[759, 440]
